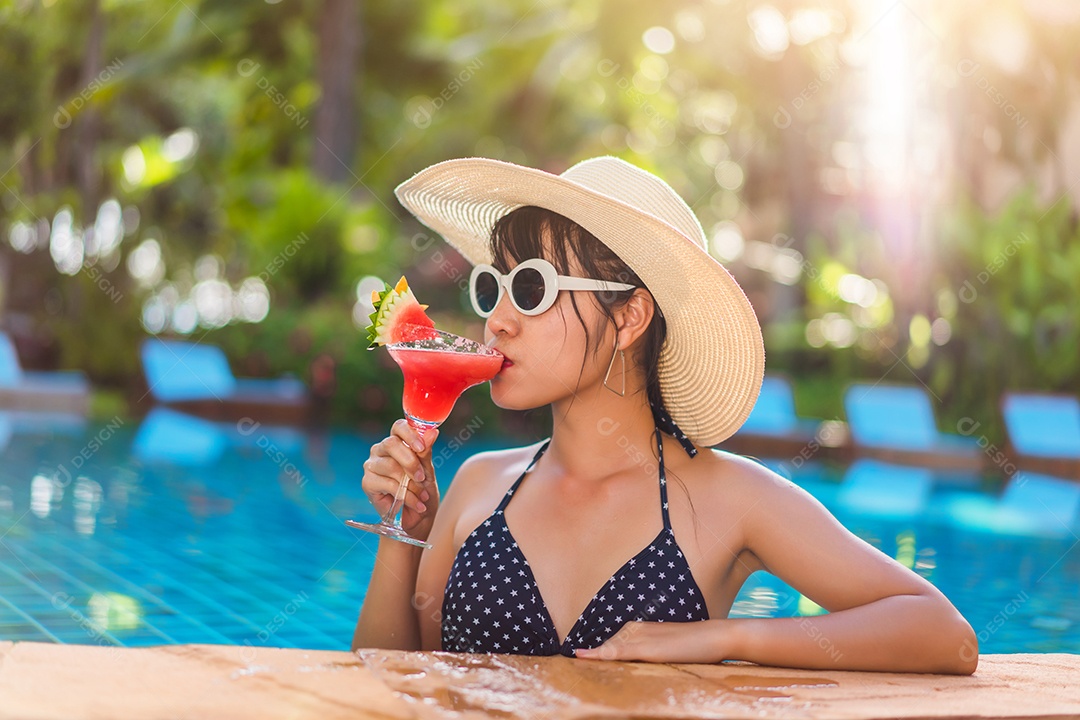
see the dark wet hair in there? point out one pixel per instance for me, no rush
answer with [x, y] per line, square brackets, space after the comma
[518, 236]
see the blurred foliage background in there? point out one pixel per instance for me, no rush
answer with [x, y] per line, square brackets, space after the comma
[894, 184]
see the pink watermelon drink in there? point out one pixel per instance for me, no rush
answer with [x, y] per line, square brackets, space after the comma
[434, 379]
[438, 366]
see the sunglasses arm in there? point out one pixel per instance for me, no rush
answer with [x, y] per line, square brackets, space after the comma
[574, 283]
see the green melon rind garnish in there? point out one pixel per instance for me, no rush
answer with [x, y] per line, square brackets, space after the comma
[386, 302]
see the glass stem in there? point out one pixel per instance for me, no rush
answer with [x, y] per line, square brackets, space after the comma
[392, 516]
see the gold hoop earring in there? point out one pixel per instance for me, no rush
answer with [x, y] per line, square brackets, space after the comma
[622, 360]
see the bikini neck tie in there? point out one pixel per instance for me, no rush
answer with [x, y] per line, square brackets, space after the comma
[665, 423]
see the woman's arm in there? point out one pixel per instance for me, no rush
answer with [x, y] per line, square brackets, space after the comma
[402, 609]
[386, 618]
[882, 616]
[900, 633]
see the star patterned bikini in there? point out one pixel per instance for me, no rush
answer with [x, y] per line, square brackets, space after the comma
[492, 602]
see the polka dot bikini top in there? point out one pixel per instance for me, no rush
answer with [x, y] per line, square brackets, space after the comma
[492, 602]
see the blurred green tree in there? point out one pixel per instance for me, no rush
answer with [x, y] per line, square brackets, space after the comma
[263, 141]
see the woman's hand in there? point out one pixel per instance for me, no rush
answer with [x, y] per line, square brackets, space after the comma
[404, 452]
[704, 641]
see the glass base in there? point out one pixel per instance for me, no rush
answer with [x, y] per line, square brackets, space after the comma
[394, 532]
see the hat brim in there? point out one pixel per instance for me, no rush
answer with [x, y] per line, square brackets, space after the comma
[713, 360]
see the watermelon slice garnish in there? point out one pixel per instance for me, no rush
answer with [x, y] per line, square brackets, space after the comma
[398, 317]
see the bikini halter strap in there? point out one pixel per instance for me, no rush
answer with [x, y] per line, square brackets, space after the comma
[514, 487]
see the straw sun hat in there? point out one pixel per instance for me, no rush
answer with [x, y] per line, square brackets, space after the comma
[713, 359]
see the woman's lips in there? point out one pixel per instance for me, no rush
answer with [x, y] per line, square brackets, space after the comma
[506, 363]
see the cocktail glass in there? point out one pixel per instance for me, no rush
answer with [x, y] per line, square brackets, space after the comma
[437, 370]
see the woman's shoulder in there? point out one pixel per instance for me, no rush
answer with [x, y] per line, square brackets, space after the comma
[716, 475]
[490, 469]
[481, 482]
[501, 456]
[728, 496]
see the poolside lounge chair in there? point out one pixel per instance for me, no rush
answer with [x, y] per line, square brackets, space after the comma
[60, 391]
[774, 430]
[896, 423]
[196, 378]
[774, 412]
[1044, 431]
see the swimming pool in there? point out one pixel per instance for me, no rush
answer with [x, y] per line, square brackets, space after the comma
[178, 530]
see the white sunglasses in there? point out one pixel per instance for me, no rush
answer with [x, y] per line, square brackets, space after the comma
[533, 284]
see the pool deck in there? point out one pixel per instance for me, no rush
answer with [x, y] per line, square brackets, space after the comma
[40, 680]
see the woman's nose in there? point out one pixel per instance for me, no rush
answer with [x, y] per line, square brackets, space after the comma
[504, 318]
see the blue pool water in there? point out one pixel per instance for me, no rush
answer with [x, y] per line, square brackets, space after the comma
[176, 530]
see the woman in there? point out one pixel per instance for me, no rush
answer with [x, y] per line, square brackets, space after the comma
[598, 556]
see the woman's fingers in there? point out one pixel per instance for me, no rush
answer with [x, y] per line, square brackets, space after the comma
[384, 488]
[382, 476]
[394, 458]
[426, 456]
[421, 445]
[398, 446]
[408, 434]
[412, 497]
